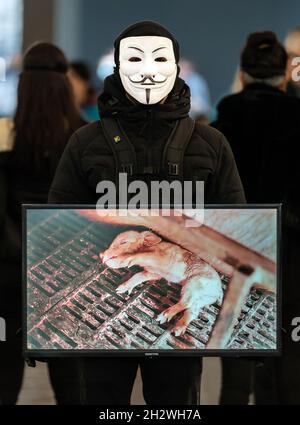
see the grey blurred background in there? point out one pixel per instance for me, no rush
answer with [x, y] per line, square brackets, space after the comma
[211, 33]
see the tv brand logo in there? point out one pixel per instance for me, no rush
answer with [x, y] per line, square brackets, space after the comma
[296, 71]
[296, 330]
[2, 69]
[2, 330]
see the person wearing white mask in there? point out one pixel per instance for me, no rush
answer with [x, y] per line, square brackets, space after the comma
[147, 68]
[144, 107]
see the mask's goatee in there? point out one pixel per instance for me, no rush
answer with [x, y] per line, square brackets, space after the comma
[147, 96]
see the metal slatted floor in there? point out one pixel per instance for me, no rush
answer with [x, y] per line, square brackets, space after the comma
[72, 302]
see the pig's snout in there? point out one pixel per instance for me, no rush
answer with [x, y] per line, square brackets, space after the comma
[110, 258]
[105, 256]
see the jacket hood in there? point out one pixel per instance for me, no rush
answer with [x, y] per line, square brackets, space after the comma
[113, 101]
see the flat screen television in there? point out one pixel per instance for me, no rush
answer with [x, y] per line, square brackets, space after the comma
[151, 282]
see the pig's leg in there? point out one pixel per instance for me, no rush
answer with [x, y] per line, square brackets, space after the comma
[182, 324]
[170, 312]
[135, 280]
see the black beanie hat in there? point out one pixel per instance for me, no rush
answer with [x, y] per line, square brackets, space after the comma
[145, 28]
[263, 56]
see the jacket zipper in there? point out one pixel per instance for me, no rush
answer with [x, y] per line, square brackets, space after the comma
[150, 138]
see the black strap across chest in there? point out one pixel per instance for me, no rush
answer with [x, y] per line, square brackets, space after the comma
[173, 153]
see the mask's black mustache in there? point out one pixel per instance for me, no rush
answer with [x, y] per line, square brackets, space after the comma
[152, 81]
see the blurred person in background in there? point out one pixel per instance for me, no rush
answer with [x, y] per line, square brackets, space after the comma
[262, 126]
[105, 65]
[31, 145]
[292, 46]
[80, 77]
[200, 97]
[236, 85]
[8, 85]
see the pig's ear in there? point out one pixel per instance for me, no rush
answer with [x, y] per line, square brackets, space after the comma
[150, 239]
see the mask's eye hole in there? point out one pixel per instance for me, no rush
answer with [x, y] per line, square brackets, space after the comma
[134, 59]
[161, 59]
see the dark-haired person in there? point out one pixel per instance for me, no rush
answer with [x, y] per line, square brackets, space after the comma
[148, 99]
[262, 125]
[80, 76]
[31, 145]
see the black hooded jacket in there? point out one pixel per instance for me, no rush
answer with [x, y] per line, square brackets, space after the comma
[88, 158]
[262, 125]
